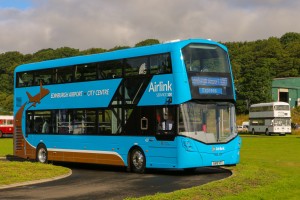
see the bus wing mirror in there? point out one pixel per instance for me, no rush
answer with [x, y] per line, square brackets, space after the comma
[144, 123]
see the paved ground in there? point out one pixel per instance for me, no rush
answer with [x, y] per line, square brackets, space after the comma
[99, 182]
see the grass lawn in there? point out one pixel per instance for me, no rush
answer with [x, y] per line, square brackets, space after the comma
[6, 146]
[16, 172]
[269, 169]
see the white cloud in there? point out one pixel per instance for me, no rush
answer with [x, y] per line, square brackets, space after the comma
[102, 23]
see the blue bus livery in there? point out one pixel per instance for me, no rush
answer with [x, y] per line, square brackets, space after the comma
[169, 105]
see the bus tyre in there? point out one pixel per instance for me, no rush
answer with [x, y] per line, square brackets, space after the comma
[1, 134]
[137, 161]
[253, 131]
[267, 132]
[41, 154]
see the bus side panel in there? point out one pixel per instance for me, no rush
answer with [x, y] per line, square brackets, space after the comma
[21, 147]
[182, 91]
[7, 129]
[101, 149]
[161, 154]
[162, 89]
[159, 90]
[82, 149]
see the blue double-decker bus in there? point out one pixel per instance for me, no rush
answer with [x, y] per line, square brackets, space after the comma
[169, 105]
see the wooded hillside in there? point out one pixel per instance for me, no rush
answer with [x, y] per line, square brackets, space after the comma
[254, 65]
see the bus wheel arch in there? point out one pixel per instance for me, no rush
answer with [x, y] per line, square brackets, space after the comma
[41, 153]
[136, 160]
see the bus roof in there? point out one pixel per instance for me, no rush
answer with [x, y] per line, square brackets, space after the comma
[6, 117]
[119, 54]
[269, 104]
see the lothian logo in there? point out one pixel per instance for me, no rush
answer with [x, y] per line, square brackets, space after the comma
[218, 148]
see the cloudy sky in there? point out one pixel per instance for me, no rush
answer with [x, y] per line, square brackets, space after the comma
[31, 25]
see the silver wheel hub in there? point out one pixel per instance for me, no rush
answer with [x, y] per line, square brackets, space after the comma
[42, 155]
[138, 160]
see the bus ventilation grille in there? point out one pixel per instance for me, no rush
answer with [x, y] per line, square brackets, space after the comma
[19, 138]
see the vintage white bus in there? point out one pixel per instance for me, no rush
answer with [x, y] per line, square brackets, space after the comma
[268, 118]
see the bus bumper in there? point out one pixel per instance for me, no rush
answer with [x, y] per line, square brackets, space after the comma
[196, 154]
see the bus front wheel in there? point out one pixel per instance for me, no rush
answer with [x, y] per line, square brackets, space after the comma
[137, 161]
[267, 132]
[41, 154]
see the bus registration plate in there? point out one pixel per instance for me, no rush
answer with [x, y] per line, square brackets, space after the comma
[217, 163]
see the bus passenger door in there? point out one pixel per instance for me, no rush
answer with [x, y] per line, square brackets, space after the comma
[166, 125]
[160, 135]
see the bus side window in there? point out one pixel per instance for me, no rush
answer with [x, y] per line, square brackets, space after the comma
[104, 122]
[44, 76]
[110, 69]
[25, 79]
[65, 75]
[160, 64]
[85, 72]
[136, 66]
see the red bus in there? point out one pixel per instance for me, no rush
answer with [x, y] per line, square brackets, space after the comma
[6, 125]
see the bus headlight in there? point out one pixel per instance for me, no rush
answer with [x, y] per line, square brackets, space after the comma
[188, 145]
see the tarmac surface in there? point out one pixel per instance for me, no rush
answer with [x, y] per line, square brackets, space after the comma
[106, 182]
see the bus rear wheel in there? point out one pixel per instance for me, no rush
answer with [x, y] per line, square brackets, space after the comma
[41, 154]
[137, 161]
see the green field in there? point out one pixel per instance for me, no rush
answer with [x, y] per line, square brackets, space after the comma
[269, 169]
[6, 146]
[16, 172]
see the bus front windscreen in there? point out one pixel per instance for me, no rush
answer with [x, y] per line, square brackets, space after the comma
[205, 58]
[208, 123]
[208, 71]
[282, 122]
[282, 107]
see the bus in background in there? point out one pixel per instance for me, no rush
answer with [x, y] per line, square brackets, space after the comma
[6, 125]
[169, 105]
[268, 118]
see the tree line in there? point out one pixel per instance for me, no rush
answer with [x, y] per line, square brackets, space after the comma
[254, 65]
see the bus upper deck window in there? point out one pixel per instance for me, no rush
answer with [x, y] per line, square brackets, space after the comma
[44, 76]
[136, 66]
[25, 79]
[160, 64]
[64, 75]
[205, 58]
[85, 72]
[110, 69]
